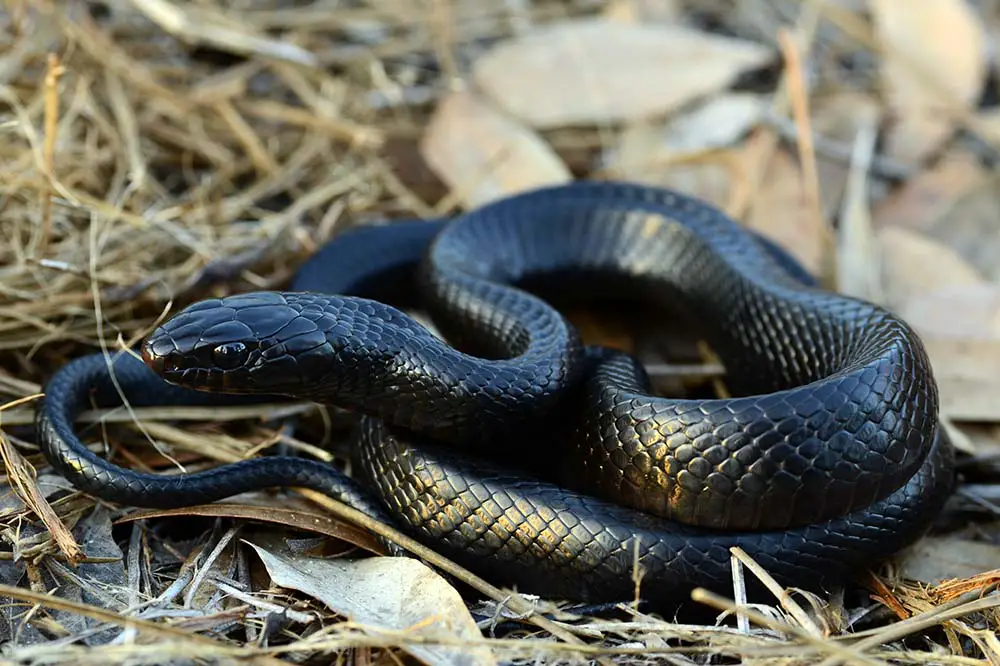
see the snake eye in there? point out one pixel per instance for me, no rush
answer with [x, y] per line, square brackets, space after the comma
[230, 355]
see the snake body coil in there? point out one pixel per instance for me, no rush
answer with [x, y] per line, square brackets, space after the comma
[828, 457]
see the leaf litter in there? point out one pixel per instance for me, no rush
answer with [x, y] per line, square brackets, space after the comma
[160, 152]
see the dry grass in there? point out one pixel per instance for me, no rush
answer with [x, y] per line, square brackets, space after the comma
[157, 152]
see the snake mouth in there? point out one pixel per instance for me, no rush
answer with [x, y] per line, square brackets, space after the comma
[161, 357]
[207, 368]
[153, 361]
[171, 371]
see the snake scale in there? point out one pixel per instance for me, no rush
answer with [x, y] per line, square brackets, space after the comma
[525, 455]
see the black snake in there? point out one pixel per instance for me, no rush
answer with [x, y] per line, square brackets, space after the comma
[828, 457]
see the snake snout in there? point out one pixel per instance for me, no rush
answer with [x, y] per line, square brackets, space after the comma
[161, 354]
[153, 361]
[201, 348]
[203, 366]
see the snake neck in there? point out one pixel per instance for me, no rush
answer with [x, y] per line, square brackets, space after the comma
[369, 357]
[466, 395]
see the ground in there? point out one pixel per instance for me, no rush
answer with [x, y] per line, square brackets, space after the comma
[157, 152]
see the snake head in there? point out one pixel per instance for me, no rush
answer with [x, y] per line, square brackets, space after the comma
[257, 343]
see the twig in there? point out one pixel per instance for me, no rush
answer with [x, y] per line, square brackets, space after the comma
[779, 592]
[932, 618]
[799, 97]
[721, 603]
[202, 29]
[164, 631]
[880, 164]
[53, 72]
[21, 475]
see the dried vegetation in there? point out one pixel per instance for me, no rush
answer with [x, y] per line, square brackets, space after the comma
[159, 151]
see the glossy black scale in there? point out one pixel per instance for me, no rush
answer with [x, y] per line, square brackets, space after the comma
[828, 458]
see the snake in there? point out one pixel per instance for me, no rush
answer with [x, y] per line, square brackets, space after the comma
[500, 438]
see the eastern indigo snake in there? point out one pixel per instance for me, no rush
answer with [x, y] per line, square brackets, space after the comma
[827, 458]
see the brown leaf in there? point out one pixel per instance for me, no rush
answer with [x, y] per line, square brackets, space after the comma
[683, 153]
[965, 371]
[643, 11]
[857, 272]
[716, 123]
[934, 59]
[780, 211]
[924, 199]
[971, 226]
[960, 327]
[709, 178]
[986, 124]
[956, 313]
[387, 597]
[593, 71]
[914, 264]
[483, 155]
[981, 439]
[838, 118]
[258, 509]
[645, 158]
[937, 559]
[956, 204]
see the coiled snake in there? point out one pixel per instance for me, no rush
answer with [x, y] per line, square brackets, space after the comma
[827, 458]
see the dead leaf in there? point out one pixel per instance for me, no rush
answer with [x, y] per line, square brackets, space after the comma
[715, 124]
[595, 71]
[987, 124]
[709, 178]
[100, 584]
[709, 175]
[982, 439]
[837, 118]
[965, 371]
[958, 436]
[683, 153]
[639, 11]
[857, 272]
[960, 312]
[955, 203]
[261, 510]
[960, 327]
[956, 313]
[388, 594]
[937, 559]
[922, 201]
[483, 155]
[934, 60]
[914, 264]
[780, 211]
[971, 226]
